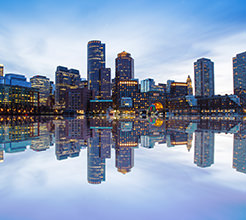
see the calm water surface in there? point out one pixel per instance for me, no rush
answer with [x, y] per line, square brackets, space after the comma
[122, 169]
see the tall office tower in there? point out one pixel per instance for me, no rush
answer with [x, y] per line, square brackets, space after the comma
[65, 79]
[147, 85]
[124, 66]
[105, 83]
[41, 83]
[189, 83]
[204, 77]
[204, 148]
[239, 73]
[95, 62]
[1, 69]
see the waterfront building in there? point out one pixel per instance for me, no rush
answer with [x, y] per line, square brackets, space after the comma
[124, 67]
[147, 85]
[105, 83]
[204, 77]
[239, 73]
[178, 89]
[65, 79]
[95, 62]
[126, 94]
[17, 96]
[1, 70]
[97, 106]
[204, 148]
[168, 86]
[77, 100]
[42, 84]
[13, 79]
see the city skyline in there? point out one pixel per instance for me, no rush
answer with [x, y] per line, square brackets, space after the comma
[39, 46]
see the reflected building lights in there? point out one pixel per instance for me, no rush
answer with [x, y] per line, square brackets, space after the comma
[99, 135]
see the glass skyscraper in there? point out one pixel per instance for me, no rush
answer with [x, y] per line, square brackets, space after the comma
[204, 77]
[239, 73]
[124, 66]
[105, 83]
[41, 83]
[65, 79]
[96, 61]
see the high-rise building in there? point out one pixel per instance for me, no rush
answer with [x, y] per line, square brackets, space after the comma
[41, 83]
[95, 62]
[105, 83]
[204, 148]
[204, 77]
[1, 69]
[147, 85]
[124, 66]
[239, 73]
[65, 79]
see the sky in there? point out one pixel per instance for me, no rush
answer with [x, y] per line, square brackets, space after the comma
[165, 38]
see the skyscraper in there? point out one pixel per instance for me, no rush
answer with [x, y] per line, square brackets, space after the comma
[204, 77]
[41, 83]
[1, 69]
[65, 79]
[239, 73]
[95, 62]
[105, 83]
[124, 66]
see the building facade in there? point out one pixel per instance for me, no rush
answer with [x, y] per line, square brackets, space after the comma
[17, 96]
[42, 84]
[147, 85]
[95, 62]
[124, 66]
[65, 79]
[204, 77]
[105, 83]
[239, 73]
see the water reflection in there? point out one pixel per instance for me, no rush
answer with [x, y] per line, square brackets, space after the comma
[100, 135]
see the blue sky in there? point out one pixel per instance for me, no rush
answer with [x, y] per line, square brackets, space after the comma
[164, 37]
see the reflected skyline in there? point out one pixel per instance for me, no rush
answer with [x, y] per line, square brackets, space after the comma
[125, 136]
